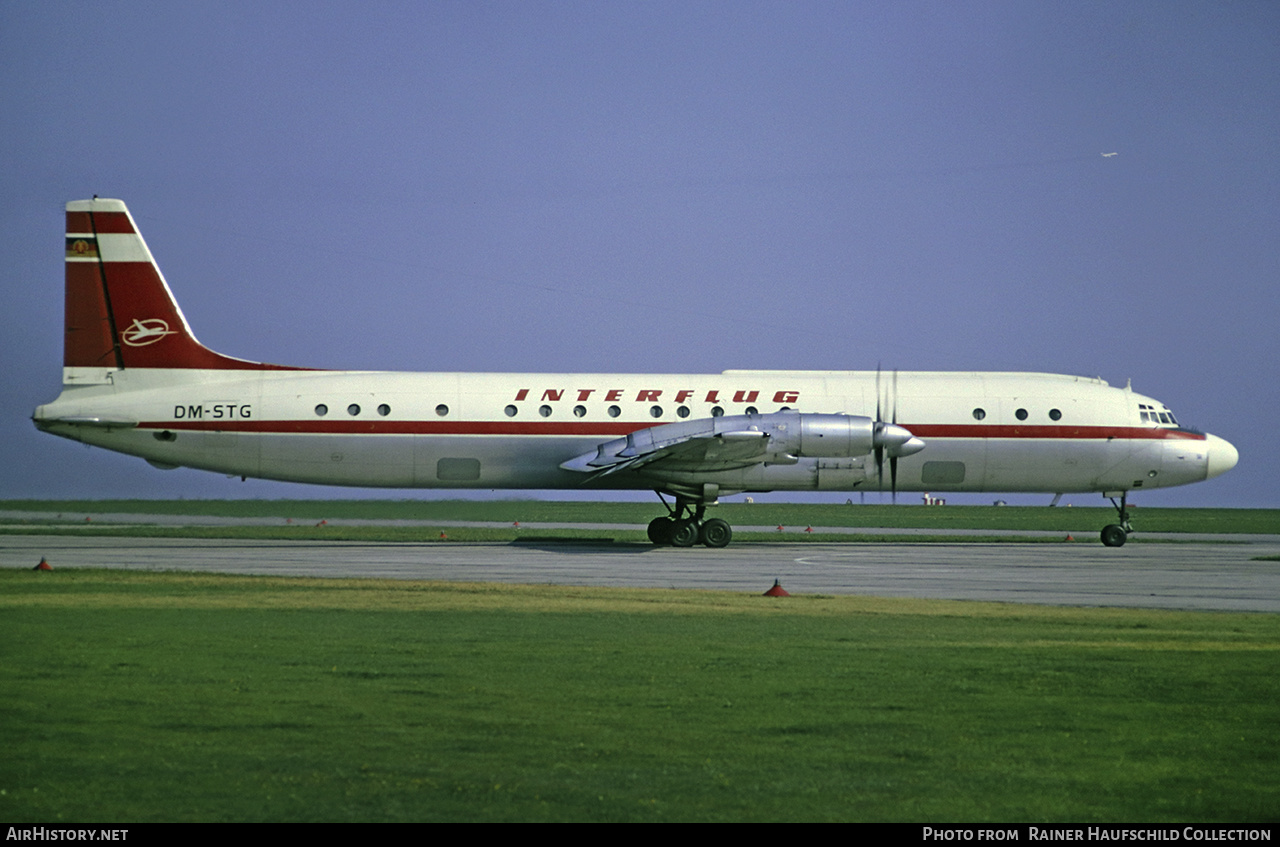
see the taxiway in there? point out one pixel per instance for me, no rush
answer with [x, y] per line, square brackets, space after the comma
[1205, 576]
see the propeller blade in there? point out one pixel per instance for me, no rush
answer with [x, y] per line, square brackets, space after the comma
[894, 412]
[879, 415]
[879, 428]
[893, 453]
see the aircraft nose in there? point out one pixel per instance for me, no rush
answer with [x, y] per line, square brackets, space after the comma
[1222, 456]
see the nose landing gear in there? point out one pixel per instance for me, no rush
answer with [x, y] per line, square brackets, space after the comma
[685, 526]
[1115, 535]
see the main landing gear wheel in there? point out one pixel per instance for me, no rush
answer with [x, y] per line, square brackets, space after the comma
[660, 531]
[684, 533]
[685, 526]
[716, 533]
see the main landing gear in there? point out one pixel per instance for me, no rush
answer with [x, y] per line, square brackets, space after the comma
[1115, 535]
[685, 526]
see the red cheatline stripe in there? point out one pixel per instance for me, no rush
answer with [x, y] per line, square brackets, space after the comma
[400, 427]
[615, 429]
[111, 222]
[1069, 432]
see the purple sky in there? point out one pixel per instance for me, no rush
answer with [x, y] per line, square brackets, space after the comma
[662, 187]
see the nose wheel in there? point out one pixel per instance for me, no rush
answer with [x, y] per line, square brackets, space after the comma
[1115, 535]
[685, 526]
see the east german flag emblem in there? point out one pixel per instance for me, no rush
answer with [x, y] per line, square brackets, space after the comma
[82, 248]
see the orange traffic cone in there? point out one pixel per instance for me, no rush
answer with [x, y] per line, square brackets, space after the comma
[43, 566]
[777, 590]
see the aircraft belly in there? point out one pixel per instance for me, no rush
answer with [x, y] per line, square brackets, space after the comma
[1015, 464]
[362, 460]
[487, 461]
[1128, 464]
[845, 474]
[1032, 464]
[417, 461]
[944, 465]
[221, 452]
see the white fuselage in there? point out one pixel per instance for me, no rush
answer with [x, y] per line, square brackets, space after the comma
[1006, 432]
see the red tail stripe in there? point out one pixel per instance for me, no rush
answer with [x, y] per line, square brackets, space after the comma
[109, 222]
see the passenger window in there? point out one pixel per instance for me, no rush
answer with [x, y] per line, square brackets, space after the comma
[579, 411]
[1055, 415]
[510, 411]
[614, 411]
[1021, 414]
[979, 414]
[442, 410]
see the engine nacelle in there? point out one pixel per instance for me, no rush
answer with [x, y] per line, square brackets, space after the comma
[807, 435]
[844, 436]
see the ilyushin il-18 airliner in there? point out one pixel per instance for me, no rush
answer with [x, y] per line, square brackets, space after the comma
[136, 380]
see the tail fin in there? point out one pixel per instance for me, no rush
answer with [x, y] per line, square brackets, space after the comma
[120, 312]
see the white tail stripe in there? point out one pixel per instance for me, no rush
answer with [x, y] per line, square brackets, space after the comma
[114, 247]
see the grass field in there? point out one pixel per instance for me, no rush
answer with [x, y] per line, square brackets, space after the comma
[1054, 522]
[167, 697]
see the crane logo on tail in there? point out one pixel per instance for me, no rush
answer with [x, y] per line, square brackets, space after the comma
[146, 332]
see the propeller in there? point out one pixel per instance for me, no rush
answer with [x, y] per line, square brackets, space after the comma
[889, 438]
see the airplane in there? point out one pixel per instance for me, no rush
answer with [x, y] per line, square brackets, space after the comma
[136, 380]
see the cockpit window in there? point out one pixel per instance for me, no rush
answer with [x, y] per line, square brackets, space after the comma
[1161, 416]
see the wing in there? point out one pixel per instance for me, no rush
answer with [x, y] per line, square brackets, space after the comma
[694, 447]
[723, 443]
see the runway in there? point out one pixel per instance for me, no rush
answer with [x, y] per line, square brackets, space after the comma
[1203, 576]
